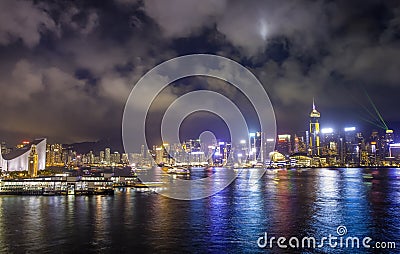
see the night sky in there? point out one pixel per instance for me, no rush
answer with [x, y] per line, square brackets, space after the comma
[67, 67]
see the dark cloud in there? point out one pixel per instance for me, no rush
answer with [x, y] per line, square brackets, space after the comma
[68, 67]
[22, 20]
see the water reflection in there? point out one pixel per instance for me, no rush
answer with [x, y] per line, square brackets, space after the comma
[308, 202]
[328, 207]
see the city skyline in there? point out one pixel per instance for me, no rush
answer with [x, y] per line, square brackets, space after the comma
[117, 146]
[98, 145]
[199, 126]
[68, 68]
[347, 146]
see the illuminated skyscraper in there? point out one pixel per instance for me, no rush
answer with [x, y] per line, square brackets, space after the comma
[300, 145]
[124, 158]
[102, 156]
[115, 157]
[54, 155]
[284, 145]
[159, 151]
[329, 143]
[314, 146]
[389, 139]
[107, 155]
[257, 145]
[353, 142]
[142, 154]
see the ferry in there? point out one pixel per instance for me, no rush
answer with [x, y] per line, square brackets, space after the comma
[49, 186]
[178, 171]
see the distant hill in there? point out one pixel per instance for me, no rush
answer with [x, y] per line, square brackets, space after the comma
[96, 146]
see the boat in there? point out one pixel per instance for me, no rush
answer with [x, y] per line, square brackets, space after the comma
[57, 185]
[178, 171]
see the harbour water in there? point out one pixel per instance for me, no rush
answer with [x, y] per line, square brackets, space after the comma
[287, 203]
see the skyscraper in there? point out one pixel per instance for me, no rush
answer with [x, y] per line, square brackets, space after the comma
[256, 146]
[102, 156]
[284, 145]
[389, 139]
[107, 156]
[352, 146]
[300, 145]
[314, 147]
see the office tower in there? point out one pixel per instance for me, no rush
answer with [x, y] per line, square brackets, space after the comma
[242, 150]
[256, 146]
[260, 146]
[252, 147]
[314, 145]
[352, 148]
[284, 145]
[48, 155]
[124, 158]
[143, 152]
[90, 157]
[296, 145]
[300, 145]
[54, 155]
[329, 144]
[115, 157]
[159, 154]
[64, 157]
[102, 156]
[389, 136]
[57, 153]
[373, 148]
[107, 155]
[389, 139]
[221, 154]
[360, 149]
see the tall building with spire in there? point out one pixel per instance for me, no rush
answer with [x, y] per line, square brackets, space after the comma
[314, 143]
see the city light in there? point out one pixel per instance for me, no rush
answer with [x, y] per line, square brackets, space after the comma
[326, 130]
[343, 148]
[350, 129]
[197, 152]
[283, 137]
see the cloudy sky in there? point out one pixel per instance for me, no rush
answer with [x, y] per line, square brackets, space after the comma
[67, 67]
